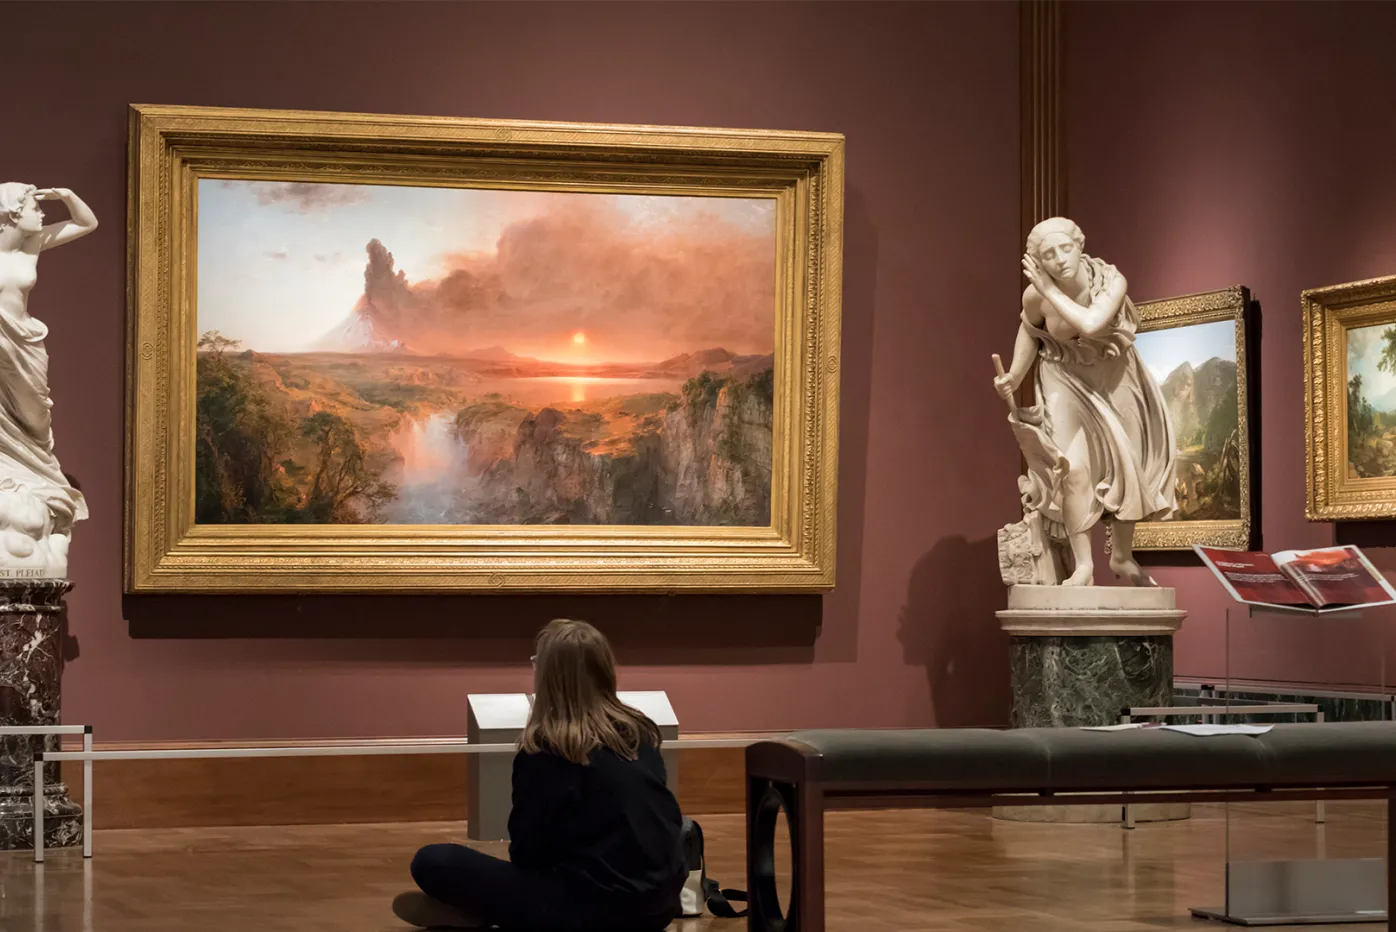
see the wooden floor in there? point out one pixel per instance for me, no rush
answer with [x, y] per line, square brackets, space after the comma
[914, 871]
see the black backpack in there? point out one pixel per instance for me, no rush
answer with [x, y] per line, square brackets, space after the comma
[699, 890]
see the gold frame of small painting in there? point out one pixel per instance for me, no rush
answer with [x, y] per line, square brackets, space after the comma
[1236, 456]
[800, 174]
[1337, 488]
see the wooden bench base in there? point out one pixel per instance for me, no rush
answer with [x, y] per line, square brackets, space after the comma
[779, 780]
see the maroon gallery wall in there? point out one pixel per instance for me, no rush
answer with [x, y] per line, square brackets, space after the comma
[927, 96]
[1214, 144]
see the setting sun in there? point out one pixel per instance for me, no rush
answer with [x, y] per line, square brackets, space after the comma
[579, 338]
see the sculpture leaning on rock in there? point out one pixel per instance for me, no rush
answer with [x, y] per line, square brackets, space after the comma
[38, 506]
[1098, 441]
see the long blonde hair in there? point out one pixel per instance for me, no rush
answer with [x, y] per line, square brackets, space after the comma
[575, 709]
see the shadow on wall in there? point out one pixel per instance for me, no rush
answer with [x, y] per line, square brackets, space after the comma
[948, 626]
[1369, 535]
[644, 629]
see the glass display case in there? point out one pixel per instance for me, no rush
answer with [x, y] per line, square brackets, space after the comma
[1299, 862]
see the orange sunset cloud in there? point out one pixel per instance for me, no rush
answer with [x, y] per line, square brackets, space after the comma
[584, 279]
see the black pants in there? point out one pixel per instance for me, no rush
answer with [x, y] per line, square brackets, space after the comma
[519, 900]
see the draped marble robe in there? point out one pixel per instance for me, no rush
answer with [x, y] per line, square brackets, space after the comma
[38, 505]
[27, 460]
[1099, 385]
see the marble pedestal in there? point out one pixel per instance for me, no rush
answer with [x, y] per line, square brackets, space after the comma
[1082, 654]
[31, 671]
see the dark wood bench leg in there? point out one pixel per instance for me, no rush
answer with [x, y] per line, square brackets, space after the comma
[803, 804]
[764, 801]
[808, 869]
[757, 919]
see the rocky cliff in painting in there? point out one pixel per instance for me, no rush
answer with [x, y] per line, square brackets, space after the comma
[1204, 406]
[701, 459]
[1192, 394]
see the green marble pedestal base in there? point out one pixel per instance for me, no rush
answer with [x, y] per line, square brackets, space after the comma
[1067, 682]
[1080, 656]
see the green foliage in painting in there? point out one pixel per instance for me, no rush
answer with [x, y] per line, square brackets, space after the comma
[1369, 451]
[246, 468]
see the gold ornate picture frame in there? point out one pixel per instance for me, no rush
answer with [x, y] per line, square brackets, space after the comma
[1350, 400]
[1201, 349]
[768, 416]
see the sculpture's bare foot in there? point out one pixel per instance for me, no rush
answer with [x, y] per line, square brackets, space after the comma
[1083, 576]
[1130, 571]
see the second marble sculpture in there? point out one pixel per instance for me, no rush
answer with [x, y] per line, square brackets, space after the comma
[1098, 440]
[38, 505]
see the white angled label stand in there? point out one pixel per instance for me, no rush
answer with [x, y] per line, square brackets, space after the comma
[499, 718]
[655, 704]
[493, 718]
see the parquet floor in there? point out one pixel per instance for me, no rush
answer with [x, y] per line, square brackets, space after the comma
[915, 871]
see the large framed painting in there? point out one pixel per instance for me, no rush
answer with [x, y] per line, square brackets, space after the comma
[375, 352]
[1350, 400]
[1201, 349]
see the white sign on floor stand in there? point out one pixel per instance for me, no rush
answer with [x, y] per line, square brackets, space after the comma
[499, 718]
[655, 704]
[492, 718]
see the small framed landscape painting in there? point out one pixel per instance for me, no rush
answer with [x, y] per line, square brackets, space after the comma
[1350, 400]
[1200, 349]
[401, 353]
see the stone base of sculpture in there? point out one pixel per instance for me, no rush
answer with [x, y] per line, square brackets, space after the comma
[31, 670]
[1080, 655]
[1085, 611]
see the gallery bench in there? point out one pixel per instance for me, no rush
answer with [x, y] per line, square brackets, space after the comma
[809, 773]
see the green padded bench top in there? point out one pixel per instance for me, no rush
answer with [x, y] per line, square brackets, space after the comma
[1067, 759]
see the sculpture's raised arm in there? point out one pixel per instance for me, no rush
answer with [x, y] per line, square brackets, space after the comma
[81, 222]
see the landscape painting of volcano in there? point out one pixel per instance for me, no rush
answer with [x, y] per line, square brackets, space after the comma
[413, 355]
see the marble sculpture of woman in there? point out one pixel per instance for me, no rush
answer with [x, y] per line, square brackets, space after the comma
[1098, 439]
[37, 504]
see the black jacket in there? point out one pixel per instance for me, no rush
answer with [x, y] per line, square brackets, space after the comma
[610, 828]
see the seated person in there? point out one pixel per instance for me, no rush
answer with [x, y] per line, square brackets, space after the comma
[594, 831]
